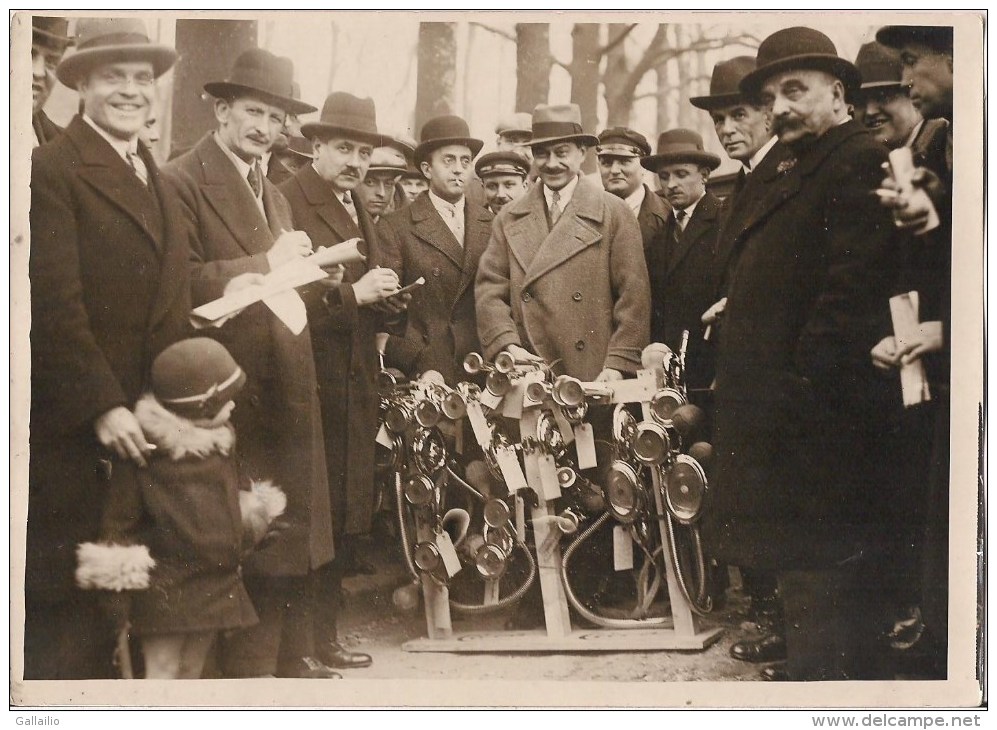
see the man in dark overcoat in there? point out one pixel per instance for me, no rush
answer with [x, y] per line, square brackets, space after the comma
[439, 237]
[48, 45]
[109, 290]
[344, 323]
[797, 400]
[243, 225]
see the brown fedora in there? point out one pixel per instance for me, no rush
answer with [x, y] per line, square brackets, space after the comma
[257, 72]
[349, 116]
[799, 48]
[680, 145]
[50, 32]
[724, 89]
[559, 123]
[112, 40]
[299, 147]
[518, 123]
[879, 65]
[442, 131]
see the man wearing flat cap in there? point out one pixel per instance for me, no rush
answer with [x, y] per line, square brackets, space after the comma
[439, 237]
[411, 182]
[243, 227]
[109, 291]
[344, 323]
[564, 277]
[798, 404]
[503, 176]
[49, 41]
[377, 192]
[619, 152]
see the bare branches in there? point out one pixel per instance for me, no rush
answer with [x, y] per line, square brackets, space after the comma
[614, 42]
[497, 31]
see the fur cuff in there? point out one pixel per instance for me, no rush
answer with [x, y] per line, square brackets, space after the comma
[110, 567]
[261, 505]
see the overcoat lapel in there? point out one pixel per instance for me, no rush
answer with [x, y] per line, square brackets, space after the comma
[175, 249]
[699, 225]
[430, 228]
[477, 231]
[528, 228]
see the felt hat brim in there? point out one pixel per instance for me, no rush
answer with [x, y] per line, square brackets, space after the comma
[226, 90]
[426, 148]
[654, 162]
[324, 129]
[716, 101]
[74, 67]
[838, 67]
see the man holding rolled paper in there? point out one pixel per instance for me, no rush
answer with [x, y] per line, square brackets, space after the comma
[244, 226]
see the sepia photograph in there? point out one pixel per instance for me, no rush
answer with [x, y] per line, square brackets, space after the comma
[497, 359]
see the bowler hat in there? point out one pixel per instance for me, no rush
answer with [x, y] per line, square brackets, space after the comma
[346, 115]
[50, 32]
[196, 377]
[387, 159]
[518, 123]
[879, 65]
[680, 145]
[504, 162]
[112, 40]
[799, 48]
[257, 72]
[622, 142]
[937, 37]
[559, 123]
[724, 89]
[442, 131]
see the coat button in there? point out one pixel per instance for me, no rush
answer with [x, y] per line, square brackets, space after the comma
[254, 400]
[577, 296]
[527, 296]
[425, 338]
[437, 271]
[580, 345]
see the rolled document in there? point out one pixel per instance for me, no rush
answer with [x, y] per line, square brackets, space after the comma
[906, 328]
[347, 252]
[902, 165]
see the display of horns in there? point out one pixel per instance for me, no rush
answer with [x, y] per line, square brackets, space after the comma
[474, 364]
[571, 392]
[656, 355]
[456, 522]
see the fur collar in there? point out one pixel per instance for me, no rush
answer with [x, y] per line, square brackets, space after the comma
[177, 437]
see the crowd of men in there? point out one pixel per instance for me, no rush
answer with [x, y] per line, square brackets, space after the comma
[829, 496]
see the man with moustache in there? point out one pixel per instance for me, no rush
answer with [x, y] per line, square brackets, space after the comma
[109, 291]
[798, 405]
[243, 226]
[439, 237]
[48, 45]
[619, 152]
[344, 323]
[503, 176]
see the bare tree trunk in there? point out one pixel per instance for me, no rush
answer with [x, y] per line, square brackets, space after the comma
[207, 50]
[333, 61]
[468, 92]
[533, 64]
[663, 91]
[437, 71]
[585, 57]
[619, 105]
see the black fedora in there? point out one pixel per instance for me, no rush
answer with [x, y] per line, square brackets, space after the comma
[799, 48]
[349, 116]
[112, 40]
[442, 131]
[559, 123]
[680, 145]
[937, 37]
[50, 32]
[879, 65]
[724, 89]
[257, 72]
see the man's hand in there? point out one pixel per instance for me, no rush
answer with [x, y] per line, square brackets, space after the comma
[931, 338]
[288, 246]
[521, 353]
[376, 285]
[885, 355]
[911, 214]
[711, 315]
[608, 375]
[118, 431]
[334, 278]
[242, 281]
[393, 305]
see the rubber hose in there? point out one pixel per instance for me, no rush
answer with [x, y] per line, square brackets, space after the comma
[403, 527]
[699, 606]
[466, 486]
[583, 611]
[470, 609]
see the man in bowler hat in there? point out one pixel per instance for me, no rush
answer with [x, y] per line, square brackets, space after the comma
[48, 45]
[244, 226]
[798, 405]
[109, 291]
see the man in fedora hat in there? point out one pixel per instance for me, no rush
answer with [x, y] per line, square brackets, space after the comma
[564, 277]
[279, 163]
[377, 191]
[108, 268]
[344, 323]
[503, 176]
[439, 237]
[48, 45]
[243, 226]
[619, 152]
[816, 261]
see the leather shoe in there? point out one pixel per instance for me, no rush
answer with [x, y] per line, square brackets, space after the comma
[769, 648]
[309, 668]
[336, 656]
[775, 673]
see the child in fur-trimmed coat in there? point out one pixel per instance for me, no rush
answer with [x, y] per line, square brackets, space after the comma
[174, 542]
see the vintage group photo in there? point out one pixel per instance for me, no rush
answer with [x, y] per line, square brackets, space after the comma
[528, 347]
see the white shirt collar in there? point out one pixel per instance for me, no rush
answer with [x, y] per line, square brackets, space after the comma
[636, 199]
[444, 207]
[565, 194]
[760, 154]
[122, 146]
[689, 210]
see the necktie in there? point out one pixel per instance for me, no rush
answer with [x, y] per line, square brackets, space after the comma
[555, 207]
[455, 224]
[138, 167]
[680, 216]
[350, 208]
[255, 178]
